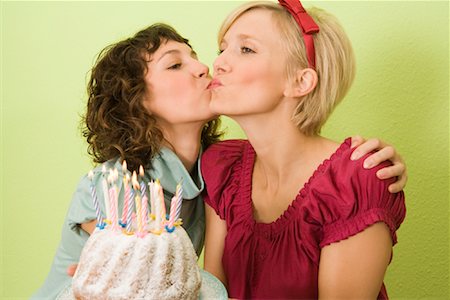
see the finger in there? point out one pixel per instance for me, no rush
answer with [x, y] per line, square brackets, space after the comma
[356, 141]
[366, 147]
[399, 185]
[392, 171]
[71, 269]
[386, 153]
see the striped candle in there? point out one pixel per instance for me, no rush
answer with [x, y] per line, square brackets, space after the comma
[130, 212]
[179, 202]
[159, 208]
[143, 189]
[143, 197]
[114, 199]
[137, 200]
[105, 193]
[126, 188]
[95, 200]
[126, 198]
[152, 189]
[144, 209]
[160, 198]
[173, 208]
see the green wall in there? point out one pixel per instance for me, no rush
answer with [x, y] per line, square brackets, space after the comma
[401, 95]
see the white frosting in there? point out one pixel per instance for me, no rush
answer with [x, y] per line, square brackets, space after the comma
[114, 265]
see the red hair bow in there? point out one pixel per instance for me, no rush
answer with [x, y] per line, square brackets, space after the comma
[306, 24]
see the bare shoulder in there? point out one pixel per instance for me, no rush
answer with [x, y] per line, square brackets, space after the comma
[326, 147]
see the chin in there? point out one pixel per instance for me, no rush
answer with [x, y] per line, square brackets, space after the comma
[216, 111]
[216, 105]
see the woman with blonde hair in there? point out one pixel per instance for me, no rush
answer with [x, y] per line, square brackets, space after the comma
[149, 104]
[289, 215]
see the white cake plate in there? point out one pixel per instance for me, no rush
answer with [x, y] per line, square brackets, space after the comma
[211, 288]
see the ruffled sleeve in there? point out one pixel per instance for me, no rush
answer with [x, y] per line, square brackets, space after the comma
[220, 165]
[355, 199]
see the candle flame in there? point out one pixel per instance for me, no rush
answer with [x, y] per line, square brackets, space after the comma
[141, 171]
[110, 178]
[134, 181]
[124, 166]
[91, 175]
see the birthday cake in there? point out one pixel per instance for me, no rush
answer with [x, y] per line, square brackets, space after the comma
[115, 265]
[143, 255]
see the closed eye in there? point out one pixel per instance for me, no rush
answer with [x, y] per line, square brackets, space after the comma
[246, 50]
[174, 66]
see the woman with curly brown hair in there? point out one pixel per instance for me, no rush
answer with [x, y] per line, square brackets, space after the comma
[148, 104]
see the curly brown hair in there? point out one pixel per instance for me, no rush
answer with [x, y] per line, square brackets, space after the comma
[116, 124]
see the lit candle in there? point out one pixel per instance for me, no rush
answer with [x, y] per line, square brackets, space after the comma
[95, 200]
[130, 212]
[113, 197]
[105, 193]
[122, 219]
[126, 199]
[152, 189]
[126, 185]
[179, 202]
[143, 197]
[124, 167]
[144, 212]
[175, 207]
[116, 198]
[137, 200]
[163, 203]
[160, 213]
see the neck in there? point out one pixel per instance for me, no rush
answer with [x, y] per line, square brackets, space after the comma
[184, 141]
[280, 147]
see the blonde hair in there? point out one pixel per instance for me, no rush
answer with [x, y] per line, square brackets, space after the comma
[335, 62]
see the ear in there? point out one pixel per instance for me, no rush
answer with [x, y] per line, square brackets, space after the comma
[302, 84]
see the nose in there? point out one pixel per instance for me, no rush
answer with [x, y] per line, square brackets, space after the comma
[202, 70]
[220, 65]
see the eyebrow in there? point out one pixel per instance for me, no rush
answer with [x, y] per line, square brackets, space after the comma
[242, 36]
[245, 36]
[176, 51]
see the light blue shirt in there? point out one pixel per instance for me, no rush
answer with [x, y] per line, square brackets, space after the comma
[166, 167]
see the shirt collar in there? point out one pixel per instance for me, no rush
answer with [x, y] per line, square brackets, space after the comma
[168, 168]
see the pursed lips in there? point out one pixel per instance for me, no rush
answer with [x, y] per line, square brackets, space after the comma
[215, 83]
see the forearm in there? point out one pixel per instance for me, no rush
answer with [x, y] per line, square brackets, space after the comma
[214, 244]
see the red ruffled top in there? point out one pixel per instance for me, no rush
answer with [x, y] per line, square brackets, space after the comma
[281, 259]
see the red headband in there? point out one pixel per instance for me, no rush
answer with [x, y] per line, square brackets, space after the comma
[306, 24]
